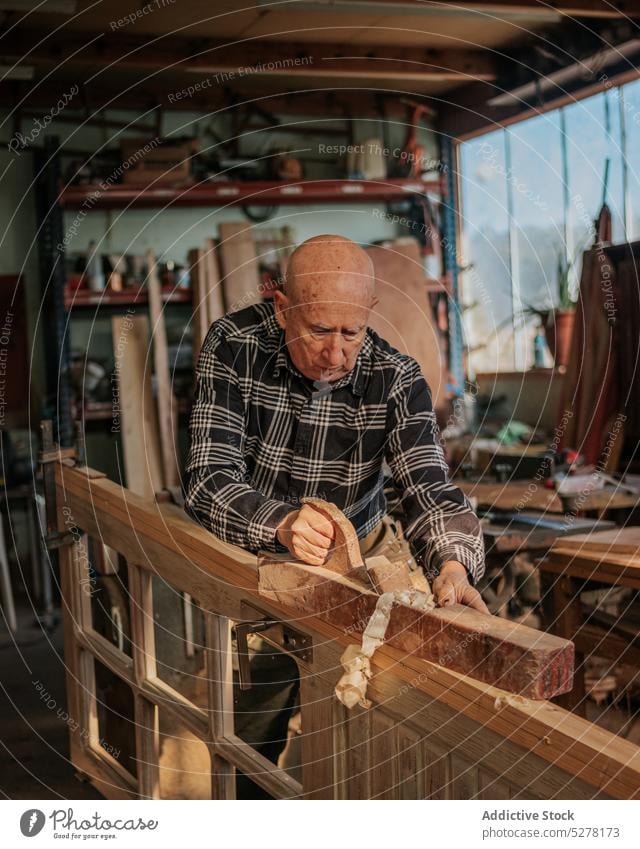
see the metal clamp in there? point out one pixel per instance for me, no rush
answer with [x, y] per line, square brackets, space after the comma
[277, 633]
[51, 453]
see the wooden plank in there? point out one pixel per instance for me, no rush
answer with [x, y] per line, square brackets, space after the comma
[317, 738]
[616, 574]
[200, 319]
[613, 542]
[358, 754]
[508, 496]
[491, 786]
[437, 773]
[488, 648]
[597, 640]
[147, 733]
[164, 396]
[213, 284]
[139, 431]
[220, 684]
[565, 621]
[403, 315]
[70, 575]
[464, 778]
[384, 747]
[411, 766]
[241, 278]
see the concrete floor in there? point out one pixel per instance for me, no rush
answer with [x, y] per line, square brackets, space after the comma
[34, 742]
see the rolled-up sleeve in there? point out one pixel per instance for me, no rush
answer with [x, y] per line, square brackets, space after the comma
[440, 523]
[219, 494]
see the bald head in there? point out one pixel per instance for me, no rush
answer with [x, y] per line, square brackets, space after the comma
[329, 266]
[324, 309]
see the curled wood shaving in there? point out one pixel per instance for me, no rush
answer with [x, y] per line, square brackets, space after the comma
[351, 689]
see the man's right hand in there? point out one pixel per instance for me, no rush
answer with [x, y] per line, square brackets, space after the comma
[307, 534]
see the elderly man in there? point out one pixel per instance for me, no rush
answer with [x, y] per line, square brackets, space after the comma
[300, 398]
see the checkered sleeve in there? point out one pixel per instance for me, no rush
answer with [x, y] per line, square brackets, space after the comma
[219, 495]
[441, 524]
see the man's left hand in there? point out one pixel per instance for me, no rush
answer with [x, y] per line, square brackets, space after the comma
[452, 586]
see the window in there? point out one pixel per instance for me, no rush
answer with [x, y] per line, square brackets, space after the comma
[529, 196]
[488, 301]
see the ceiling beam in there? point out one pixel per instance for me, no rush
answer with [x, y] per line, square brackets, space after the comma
[558, 66]
[332, 104]
[573, 8]
[466, 113]
[251, 58]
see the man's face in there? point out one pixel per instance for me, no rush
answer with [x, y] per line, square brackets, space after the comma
[324, 333]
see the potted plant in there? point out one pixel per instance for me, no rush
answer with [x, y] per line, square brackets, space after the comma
[558, 322]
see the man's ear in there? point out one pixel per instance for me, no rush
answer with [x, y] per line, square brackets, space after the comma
[280, 305]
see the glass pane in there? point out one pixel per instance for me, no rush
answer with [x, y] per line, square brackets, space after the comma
[109, 586]
[179, 638]
[593, 134]
[486, 284]
[116, 722]
[267, 715]
[536, 181]
[184, 763]
[630, 98]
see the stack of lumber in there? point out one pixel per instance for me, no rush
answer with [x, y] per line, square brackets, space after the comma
[208, 304]
[612, 557]
[148, 426]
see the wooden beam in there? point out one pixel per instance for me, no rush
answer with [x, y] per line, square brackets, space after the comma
[574, 8]
[200, 311]
[139, 423]
[164, 396]
[149, 93]
[625, 541]
[490, 649]
[224, 63]
[213, 285]
[619, 570]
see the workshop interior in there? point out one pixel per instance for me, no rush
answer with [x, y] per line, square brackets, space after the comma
[183, 187]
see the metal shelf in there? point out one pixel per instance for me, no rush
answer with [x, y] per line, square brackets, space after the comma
[86, 298]
[246, 193]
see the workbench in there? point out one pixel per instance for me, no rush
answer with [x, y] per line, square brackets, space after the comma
[567, 571]
[532, 495]
[153, 717]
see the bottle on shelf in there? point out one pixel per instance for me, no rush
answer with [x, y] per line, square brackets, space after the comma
[95, 274]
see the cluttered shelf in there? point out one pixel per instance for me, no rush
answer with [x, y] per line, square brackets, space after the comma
[83, 298]
[247, 193]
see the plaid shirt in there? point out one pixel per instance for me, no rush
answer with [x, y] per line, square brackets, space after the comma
[263, 437]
